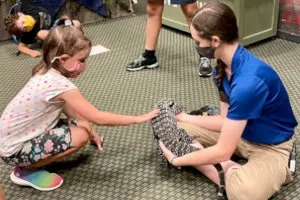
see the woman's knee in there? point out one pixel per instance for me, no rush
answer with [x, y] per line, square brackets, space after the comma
[238, 191]
[238, 188]
[155, 8]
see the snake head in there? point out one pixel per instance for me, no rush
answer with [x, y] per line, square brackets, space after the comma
[169, 104]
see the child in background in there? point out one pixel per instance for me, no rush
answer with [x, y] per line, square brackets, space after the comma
[30, 25]
[32, 134]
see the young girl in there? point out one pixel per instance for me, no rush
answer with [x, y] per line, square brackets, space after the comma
[256, 120]
[32, 134]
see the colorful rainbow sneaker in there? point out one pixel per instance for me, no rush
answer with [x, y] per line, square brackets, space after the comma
[37, 178]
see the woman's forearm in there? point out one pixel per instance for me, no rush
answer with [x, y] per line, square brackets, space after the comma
[210, 155]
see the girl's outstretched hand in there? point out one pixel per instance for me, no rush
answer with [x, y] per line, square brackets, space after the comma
[97, 140]
[148, 116]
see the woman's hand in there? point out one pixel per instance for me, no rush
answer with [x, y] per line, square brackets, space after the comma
[171, 157]
[143, 118]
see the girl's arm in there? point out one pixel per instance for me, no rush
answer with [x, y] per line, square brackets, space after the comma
[70, 113]
[80, 105]
[213, 123]
[222, 151]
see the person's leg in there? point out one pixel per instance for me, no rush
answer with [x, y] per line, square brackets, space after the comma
[95, 138]
[211, 172]
[264, 173]
[80, 136]
[208, 138]
[189, 10]
[260, 178]
[65, 138]
[204, 136]
[154, 18]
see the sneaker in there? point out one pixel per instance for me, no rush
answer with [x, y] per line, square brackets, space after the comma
[37, 178]
[141, 63]
[205, 69]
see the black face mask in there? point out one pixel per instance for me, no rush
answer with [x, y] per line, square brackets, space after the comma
[208, 52]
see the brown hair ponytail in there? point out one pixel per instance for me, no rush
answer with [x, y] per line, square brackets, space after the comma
[220, 69]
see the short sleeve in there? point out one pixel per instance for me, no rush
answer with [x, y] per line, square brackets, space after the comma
[28, 38]
[247, 98]
[56, 86]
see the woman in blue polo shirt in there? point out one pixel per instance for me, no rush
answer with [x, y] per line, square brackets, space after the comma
[256, 120]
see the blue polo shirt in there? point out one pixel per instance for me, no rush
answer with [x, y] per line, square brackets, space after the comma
[256, 93]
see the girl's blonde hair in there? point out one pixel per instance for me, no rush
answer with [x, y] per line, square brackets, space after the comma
[61, 40]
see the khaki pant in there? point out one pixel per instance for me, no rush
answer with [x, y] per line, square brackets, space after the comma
[263, 174]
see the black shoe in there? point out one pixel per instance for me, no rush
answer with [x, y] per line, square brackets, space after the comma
[205, 69]
[141, 63]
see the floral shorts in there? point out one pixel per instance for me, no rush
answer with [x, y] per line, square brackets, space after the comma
[55, 141]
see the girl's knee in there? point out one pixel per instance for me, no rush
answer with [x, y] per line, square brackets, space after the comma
[80, 137]
[83, 140]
